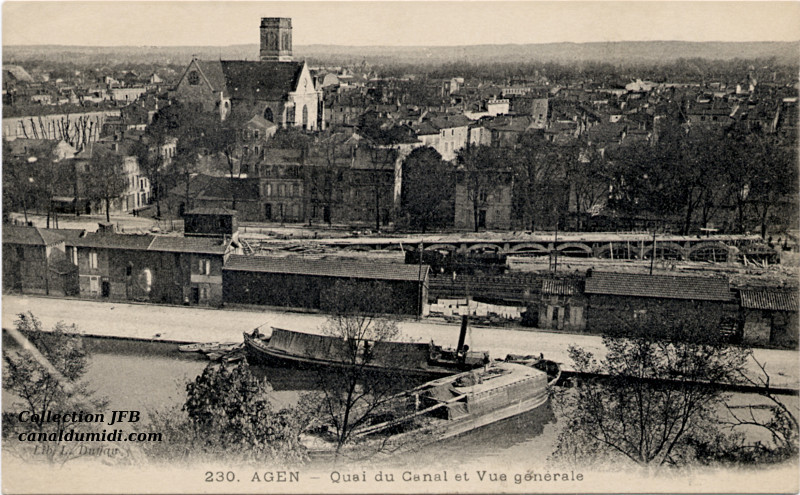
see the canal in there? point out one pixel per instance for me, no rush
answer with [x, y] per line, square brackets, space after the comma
[149, 376]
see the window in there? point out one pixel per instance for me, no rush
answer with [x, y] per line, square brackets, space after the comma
[194, 78]
[268, 190]
[256, 134]
[204, 267]
[204, 293]
[281, 190]
[268, 115]
[93, 259]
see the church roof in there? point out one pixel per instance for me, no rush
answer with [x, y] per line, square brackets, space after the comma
[260, 80]
[212, 70]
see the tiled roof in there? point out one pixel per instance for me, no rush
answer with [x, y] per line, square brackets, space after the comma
[30, 236]
[327, 268]
[199, 245]
[260, 80]
[559, 287]
[113, 241]
[662, 286]
[770, 299]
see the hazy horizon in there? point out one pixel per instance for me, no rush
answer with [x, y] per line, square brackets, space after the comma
[395, 24]
[298, 45]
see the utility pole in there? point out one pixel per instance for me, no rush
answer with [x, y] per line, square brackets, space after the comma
[653, 254]
[555, 249]
[419, 281]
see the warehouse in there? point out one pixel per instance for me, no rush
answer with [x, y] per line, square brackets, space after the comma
[302, 283]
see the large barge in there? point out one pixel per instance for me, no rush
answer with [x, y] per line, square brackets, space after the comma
[290, 348]
[450, 406]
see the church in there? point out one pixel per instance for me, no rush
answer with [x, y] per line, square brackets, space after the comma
[276, 88]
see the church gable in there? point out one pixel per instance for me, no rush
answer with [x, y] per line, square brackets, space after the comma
[304, 83]
[203, 76]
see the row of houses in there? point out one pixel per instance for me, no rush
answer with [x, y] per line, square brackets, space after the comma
[604, 302]
[189, 270]
[203, 270]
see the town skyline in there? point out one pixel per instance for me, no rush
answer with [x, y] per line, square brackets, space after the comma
[395, 24]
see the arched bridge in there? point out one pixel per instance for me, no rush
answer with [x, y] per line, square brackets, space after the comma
[715, 248]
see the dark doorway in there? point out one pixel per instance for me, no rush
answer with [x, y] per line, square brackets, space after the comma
[326, 214]
[195, 295]
[268, 211]
[482, 219]
[105, 288]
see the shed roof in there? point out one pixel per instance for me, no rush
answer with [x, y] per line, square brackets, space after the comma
[559, 287]
[661, 286]
[773, 300]
[198, 245]
[327, 268]
[113, 241]
[30, 236]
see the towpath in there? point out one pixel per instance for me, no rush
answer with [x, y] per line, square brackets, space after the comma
[193, 324]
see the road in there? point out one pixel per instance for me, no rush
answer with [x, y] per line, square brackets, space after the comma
[193, 324]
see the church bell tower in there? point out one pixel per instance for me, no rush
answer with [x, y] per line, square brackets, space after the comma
[276, 39]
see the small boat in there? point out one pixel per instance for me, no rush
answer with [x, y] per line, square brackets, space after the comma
[450, 406]
[303, 350]
[233, 356]
[209, 347]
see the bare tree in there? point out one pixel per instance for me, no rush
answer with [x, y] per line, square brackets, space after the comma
[105, 178]
[353, 393]
[655, 398]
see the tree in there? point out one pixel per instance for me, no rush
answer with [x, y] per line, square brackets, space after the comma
[105, 178]
[44, 376]
[589, 178]
[150, 163]
[540, 172]
[658, 396]
[18, 180]
[228, 414]
[351, 395]
[481, 171]
[774, 176]
[428, 190]
[380, 174]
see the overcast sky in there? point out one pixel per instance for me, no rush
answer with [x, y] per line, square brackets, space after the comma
[396, 23]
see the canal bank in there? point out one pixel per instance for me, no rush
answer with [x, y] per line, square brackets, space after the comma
[191, 324]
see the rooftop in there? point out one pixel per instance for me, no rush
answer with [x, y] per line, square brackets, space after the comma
[661, 286]
[773, 300]
[327, 268]
[30, 236]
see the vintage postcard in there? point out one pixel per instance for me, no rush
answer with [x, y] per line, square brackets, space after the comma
[400, 247]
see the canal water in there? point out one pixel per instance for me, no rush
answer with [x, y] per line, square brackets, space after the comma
[149, 376]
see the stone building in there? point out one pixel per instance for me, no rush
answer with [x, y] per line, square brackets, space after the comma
[35, 262]
[275, 87]
[769, 316]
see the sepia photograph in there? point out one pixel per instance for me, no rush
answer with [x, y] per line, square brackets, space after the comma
[400, 247]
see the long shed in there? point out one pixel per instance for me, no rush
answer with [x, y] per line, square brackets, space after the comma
[301, 283]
